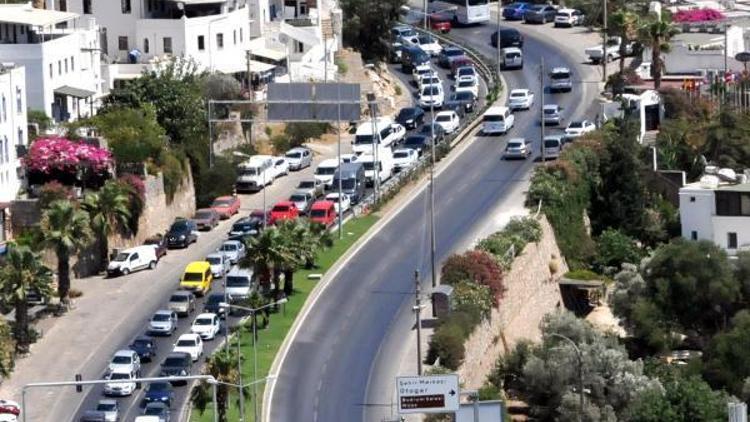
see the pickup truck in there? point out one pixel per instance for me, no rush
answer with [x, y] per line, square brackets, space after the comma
[595, 53]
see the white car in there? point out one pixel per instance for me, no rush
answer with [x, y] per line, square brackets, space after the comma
[125, 361]
[429, 45]
[233, 249]
[520, 99]
[348, 158]
[404, 158]
[432, 96]
[191, 344]
[428, 80]
[517, 148]
[220, 264]
[468, 84]
[448, 120]
[578, 128]
[422, 70]
[280, 166]
[120, 383]
[9, 411]
[164, 322]
[568, 17]
[343, 205]
[206, 325]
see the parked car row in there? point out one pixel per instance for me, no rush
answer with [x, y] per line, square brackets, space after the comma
[543, 13]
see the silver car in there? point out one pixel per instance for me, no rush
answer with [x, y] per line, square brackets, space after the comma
[110, 408]
[517, 148]
[164, 322]
[551, 114]
[233, 249]
[303, 200]
[298, 158]
[182, 303]
[220, 264]
[560, 80]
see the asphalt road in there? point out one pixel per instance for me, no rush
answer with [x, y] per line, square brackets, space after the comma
[342, 364]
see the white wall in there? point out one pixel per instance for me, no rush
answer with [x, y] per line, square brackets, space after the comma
[13, 130]
[697, 208]
[722, 226]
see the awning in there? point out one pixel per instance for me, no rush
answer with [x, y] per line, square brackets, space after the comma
[268, 53]
[74, 92]
[22, 14]
[300, 34]
[260, 67]
[189, 2]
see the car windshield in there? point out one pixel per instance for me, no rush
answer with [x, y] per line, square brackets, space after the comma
[222, 203]
[466, 71]
[335, 197]
[464, 84]
[185, 343]
[214, 299]
[238, 281]
[560, 75]
[443, 118]
[228, 247]
[293, 155]
[248, 171]
[576, 125]
[463, 96]
[192, 277]
[563, 14]
[478, 2]
[214, 260]
[119, 376]
[142, 343]
[174, 361]
[517, 95]
[159, 386]
[153, 410]
[280, 208]
[550, 110]
[306, 184]
[414, 140]
[166, 317]
[318, 213]
[430, 91]
[203, 321]
[348, 184]
[121, 257]
[179, 226]
[179, 298]
[106, 407]
[327, 171]
[514, 145]
[298, 198]
[202, 215]
[514, 5]
[453, 52]
[121, 360]
[430, 81]
[400, 154]
[493, 118]
[426, 40]
[537, 8]
[551, 143]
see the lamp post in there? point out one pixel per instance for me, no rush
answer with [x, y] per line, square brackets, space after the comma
[580, 372]
[252, 311]
[265, 210]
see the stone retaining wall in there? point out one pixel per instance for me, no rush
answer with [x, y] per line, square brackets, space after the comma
[532, 292]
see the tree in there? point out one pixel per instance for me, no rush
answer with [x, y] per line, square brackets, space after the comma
[472, 297]
[65, 229]
[23, 272]
[216, 181]
[624, 24]
[269, 252]
[40, 119]
[656, 32]
[365, 21]
[108, 211]
[133, 134]
[726, 363]
[477, 267]
[615, 248]
[682, 399]
[726, 140]
[222, 365]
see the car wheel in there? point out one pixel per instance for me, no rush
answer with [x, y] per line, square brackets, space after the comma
[125, 271]
[152, 265]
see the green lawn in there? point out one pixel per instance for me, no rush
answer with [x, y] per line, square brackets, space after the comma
[270, 339]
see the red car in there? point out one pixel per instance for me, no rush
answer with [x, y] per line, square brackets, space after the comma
[226, 206]
[284, 210]
[323, 212]
[440, 22]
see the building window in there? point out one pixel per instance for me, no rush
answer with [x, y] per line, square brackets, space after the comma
[86, 7]
[59, 67]
[2, 157]
[201, 43]
[299, 47]
[731, 240]
[125, 5]
[693, 235]
[220, 40]
[19, 101]
[66, 65]
[234, 37]
[63, 6]
[692, 199]
[72, 63]
[145, 45]
[20, 136]
[51, 71]
[122, 43]
[167, 45]
[4, 110]
[240, 34]
[5, 150]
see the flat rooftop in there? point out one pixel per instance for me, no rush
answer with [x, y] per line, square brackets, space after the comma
[24, 14]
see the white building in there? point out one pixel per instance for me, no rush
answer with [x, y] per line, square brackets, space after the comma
[718, 211]
[646, 106]
[135, 33]
[60, 52]
[13, 133]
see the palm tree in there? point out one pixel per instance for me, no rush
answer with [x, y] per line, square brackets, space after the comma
[65, 229]
[108, 211]
[624, 24]
[23, 271]
[299, 247]
[222, 365]
[656, 32]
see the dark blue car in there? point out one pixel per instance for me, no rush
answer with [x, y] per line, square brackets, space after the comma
[159, 392]
[145, 347]
[515, 11]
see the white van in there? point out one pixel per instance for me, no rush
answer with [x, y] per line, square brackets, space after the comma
[255, 173]
[384, 167]
[553, 146]
[389, 133]
[497, 120]
[512, 58]
[133, 259]
[325, 171]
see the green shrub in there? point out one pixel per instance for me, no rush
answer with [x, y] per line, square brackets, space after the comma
[613, 248]
[301, 132]
[447, 343]
[583, 275]
[173, 173]
[527, 228]
[216, 181]
[489, 392]
[477, 267]
[517, 233]
[54, 191]
[7, 349]
[342, 66]
[472, 297]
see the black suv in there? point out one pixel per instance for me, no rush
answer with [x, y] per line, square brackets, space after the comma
[246, 226]
[175, 365]
[182, 234]
[410, 117]
[509, 37]
[145, 346]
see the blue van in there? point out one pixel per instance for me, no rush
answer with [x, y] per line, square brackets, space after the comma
[412, 56]
[352, 176]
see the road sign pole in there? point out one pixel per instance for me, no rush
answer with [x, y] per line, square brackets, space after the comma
[541, 106]
[418, 312]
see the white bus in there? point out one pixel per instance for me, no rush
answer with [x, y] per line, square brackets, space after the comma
[464, 11]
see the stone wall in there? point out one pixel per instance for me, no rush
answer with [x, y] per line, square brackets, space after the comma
[532, 292]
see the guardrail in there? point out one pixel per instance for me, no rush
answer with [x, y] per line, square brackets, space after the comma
[469, 124]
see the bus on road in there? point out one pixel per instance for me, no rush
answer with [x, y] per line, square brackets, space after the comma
[464, 12]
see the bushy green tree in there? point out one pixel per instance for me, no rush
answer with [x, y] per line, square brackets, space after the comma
[133, 135]
[682, 399]
[726, 357]
[366, 21]
[613, 248]
[468, 296]
[474, 266]
[109, 212]
[216, 181]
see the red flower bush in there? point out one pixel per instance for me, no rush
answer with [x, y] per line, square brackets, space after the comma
[698, 15]
[60, 155]
[474, 266]
[135, 183]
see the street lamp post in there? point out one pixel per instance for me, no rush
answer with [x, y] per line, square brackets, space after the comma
[580, 372]
[252, 311]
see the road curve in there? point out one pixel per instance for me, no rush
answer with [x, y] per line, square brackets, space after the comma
[342, 363]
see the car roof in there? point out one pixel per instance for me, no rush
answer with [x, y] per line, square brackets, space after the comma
[452, 48]
[231, 242]
[300, 192]
[206, 315]
[496, 110]
[298, 149]
[166, 311]
[224, 197]
[237, 271]
[512, 50]
[566, 10]
[551, 106]
[197, 266]
[509, 31]
[188, 336]
[107, 401]
[322, 205]
[560, 69]
[124, 352]
[181, 293]
[522, 140]
[519, 90]
[329, 162]
[214, 255]
[284, 203]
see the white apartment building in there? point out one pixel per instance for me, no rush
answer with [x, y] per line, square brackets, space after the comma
[13, 133]
[60, 52]
[138, 33]
[718, 211]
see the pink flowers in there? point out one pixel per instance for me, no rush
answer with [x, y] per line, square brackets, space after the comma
[698, 15]
[54, 154]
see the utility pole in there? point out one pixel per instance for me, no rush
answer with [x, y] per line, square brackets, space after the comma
[424, 12]
[541, 105]
[604, 44]
[210, 138]
[375, 138]
[499, 43]
[338, 136]
[433, 269]
[418, 312]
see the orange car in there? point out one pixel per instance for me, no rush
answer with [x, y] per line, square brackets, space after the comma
[226, 206]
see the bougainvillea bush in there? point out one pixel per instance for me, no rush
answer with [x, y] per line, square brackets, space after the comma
[66, 161]
[698, 15]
